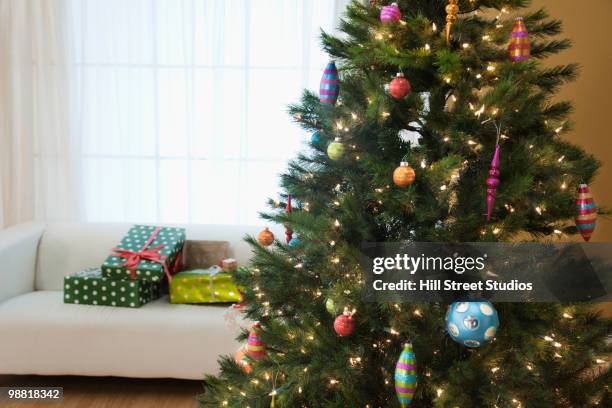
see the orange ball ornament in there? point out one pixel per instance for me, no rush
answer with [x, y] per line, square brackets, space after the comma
[265, 237]
[242, 360]
[399, 87]
[404, 175]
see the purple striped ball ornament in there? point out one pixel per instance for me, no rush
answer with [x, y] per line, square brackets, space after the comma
[586, 212]
[519, 47]
[391, 13]
[406, 376]
[330, 85]
[256, 348]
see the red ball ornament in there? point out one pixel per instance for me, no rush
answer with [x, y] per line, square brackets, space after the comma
[399, 86]
[344, 325]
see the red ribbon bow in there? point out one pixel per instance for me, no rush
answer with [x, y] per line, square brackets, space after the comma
[133, 258]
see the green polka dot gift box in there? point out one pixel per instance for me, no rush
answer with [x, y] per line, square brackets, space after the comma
[204, 286]
[147, 253]
[90, 287]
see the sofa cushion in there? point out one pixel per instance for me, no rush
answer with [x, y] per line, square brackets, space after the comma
[41, 335]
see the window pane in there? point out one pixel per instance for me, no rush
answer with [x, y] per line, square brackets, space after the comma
[261, 183]
[174, 31]
[120, 190]
[272, 133]
[118, 31]
[215, 192]
[118, 111]
[218, 113]
[174, 192]
[275, 33]
[173, 110]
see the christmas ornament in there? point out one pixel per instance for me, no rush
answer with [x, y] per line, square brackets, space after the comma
[519, 47]
[330, 85]
[256, 349]
[405, 376]
[265, 237]
[492, 182]
[472, 323]
[331, 307]
[242, 360]
[335, 150]
[586, 216]
[295, 242]
[451, 16]
[389, 14]
[399, 86]
[404, 175]
[288, 210]
[344, 324]
[315, 138]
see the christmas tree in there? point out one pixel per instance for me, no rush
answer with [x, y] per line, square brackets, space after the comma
[464, 145]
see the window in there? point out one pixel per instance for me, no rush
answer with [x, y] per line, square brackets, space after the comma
[182, 103]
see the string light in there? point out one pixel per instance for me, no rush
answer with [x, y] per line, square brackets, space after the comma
[434, 27]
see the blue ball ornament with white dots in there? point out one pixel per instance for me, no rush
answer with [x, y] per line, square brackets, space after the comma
[472, 323]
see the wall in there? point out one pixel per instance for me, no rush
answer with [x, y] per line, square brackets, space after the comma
[587, 25]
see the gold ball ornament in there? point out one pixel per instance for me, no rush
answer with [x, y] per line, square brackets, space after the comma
[335, 150]
[404, 175]
[265, 237]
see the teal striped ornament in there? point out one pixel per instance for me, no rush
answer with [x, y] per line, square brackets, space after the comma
[406, 376]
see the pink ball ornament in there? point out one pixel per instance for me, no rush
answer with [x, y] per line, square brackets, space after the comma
[389, 14]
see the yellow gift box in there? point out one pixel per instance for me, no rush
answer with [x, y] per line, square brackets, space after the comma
[210, 285]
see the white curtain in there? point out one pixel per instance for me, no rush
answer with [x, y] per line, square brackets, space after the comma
[179, 110]
[39, 148]
[184, 103]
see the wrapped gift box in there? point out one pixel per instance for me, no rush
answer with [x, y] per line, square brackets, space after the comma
[143, 250]
[204, 286]
[91, 287]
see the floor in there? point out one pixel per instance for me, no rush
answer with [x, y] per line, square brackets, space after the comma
[108, 392]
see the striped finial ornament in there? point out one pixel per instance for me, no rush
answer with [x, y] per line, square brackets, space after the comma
[519, 47]
[330, 85]
[256, 348]
[406, 376]
[586, 216]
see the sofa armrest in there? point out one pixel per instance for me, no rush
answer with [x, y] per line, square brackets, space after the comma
[18, 250]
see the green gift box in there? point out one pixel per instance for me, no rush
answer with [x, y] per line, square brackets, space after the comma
[146, 252]
[204, 286]
[91, 287]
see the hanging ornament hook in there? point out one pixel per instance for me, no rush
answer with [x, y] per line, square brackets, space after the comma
[451, 16]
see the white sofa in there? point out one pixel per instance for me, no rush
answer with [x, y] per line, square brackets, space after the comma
[39, 334]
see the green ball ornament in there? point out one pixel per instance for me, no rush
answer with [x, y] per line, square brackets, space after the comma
[331, 307]
[335, 150]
